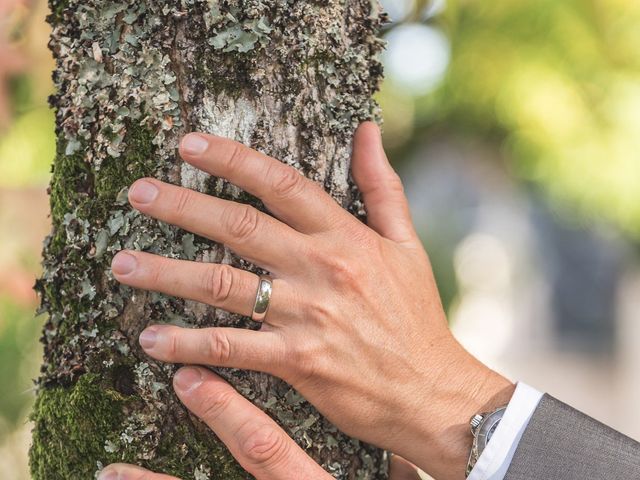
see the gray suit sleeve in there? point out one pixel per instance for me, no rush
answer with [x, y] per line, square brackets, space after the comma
[561, 443]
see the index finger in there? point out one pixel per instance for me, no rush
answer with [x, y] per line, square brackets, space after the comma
[252, 437]
[290, 196]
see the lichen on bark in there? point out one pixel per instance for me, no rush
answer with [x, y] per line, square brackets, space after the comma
[290, 78]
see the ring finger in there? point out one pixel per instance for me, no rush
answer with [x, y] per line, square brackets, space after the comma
[218, 285]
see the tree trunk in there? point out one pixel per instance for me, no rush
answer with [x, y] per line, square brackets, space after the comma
[291, 78]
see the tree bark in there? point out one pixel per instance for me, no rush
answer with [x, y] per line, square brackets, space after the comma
[290, 78]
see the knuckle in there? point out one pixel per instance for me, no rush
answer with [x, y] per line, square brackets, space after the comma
[266, 447]
[158, 272]
[215, 404]
[320, 312]
[237, 156]
[306, 370]
[342, 271]
[304, 362]
[244, 223]
[394, 184]
[184, 198]
[218, 347]
[287, 182]
[218, 283]
[365, 240]
[173, 345]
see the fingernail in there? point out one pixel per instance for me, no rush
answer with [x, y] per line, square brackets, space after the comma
[148, 337]
[109, 474]
[186, 379]
[123, 263]
[143, 192]
[194, 144]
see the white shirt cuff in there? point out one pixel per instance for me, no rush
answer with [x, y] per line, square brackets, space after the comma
[496, 457]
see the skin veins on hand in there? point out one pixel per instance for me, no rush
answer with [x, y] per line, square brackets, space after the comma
[355, 313]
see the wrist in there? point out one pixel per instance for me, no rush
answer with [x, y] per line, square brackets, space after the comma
[438, 439]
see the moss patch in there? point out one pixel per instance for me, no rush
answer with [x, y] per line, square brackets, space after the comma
[71, 182]
[71, 428]
[73, 186]
[203, 450]
[118, 173]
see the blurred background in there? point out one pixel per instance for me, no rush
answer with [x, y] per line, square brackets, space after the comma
[516, 127]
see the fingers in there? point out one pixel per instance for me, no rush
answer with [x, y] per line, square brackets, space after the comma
[221, 286]
[252, 234]
[222, 347]
[382, 191]
[122, 471]
[295, 200]
[253, 438]
[402, 469]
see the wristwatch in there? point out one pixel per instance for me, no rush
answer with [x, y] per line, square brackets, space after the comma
[483, 425]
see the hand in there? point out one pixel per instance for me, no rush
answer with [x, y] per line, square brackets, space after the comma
[256, 441]
[355, 312]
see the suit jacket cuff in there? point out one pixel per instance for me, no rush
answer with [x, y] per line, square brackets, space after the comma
[495, 460]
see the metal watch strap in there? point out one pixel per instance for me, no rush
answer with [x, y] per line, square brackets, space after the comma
[482, 427]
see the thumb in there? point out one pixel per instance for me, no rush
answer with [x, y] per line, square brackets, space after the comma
[382, 191]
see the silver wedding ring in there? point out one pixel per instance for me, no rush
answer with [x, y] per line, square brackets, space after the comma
[263, 296]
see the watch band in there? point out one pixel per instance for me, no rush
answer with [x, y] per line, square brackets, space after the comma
[483, 425]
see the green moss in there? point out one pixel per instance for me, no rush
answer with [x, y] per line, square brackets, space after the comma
[71, 426]
[70, 181]
[137, 162]
[76, 188]
[225, 73]
[73, 184]
[202, 449]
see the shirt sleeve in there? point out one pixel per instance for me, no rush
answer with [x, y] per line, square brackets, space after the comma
[496, 457]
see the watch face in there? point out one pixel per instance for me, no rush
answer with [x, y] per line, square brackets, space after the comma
[483, 426]
[492, 429]
[488, 428]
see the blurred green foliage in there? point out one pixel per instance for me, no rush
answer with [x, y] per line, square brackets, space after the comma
[27, 148]
[27, 139]
[19, 359]
[556, 84]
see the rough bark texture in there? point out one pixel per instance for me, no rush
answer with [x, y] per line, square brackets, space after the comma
[291, 78]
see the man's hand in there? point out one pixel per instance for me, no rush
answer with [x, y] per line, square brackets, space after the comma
[355, 313]
[253, 438]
